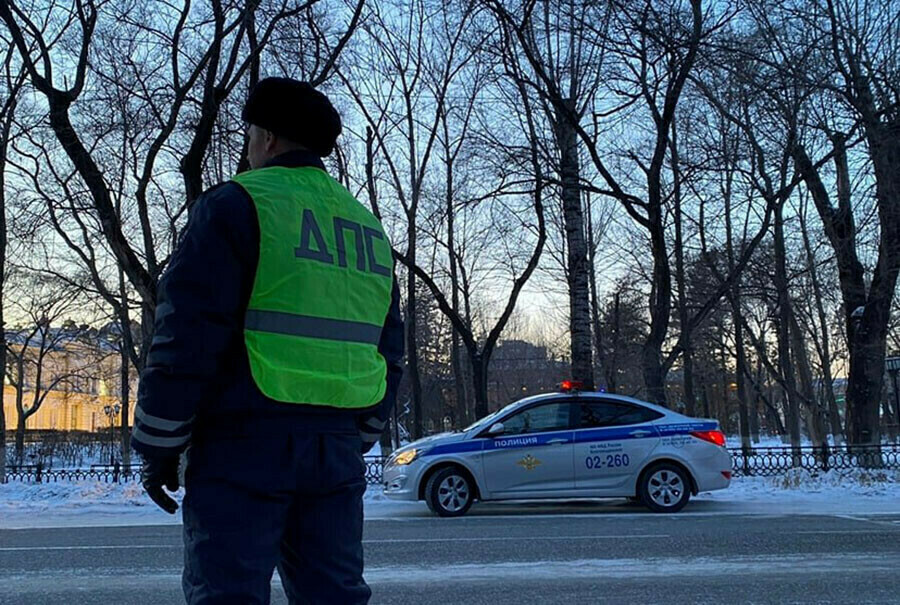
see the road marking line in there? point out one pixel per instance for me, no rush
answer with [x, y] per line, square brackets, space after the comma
[625, 568]
[848, 531]
[373, 541]
[864, 520]
[90, 547]
[514, 538]
[603, 515]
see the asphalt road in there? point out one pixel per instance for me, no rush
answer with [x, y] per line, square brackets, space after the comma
[505, 554]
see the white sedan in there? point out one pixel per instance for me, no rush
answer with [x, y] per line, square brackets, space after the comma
[565, 445]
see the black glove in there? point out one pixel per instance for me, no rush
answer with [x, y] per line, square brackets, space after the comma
[159, 472]
[370, 430]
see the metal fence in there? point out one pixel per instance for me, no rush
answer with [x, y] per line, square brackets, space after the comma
[118, 473]
[770, 461]
[759, 461]
[108, 473]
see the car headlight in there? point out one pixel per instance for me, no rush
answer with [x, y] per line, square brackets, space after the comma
[404, 458]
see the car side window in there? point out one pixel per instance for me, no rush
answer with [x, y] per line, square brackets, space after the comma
[539, 419]
[597, 414]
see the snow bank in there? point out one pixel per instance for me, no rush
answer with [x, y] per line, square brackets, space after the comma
[799, 490]
[89, 503]
[67, 503]
[82, 503]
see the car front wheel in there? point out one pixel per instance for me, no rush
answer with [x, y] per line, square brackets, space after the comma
[665, 488]
[449, 493]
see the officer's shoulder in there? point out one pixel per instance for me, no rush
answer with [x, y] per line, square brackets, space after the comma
[227, 199]
[226, 191]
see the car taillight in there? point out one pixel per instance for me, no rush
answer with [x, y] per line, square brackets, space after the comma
[716, 437]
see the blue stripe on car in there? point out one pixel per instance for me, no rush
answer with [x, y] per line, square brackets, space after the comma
[683, 428]
[456, 448]
[580, 436]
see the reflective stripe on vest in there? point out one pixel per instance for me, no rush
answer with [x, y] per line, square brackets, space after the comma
[314, 327]
[321, 293]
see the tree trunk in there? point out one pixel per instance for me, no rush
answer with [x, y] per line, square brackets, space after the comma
[815, 419]
[462, 404]
[888, 414]
[4, 145]
[126, 348]
[785, 363]
[612, 364]
[125, 392]
[865, 383]
[577, 255]
[866, 313]
[2, 447]
[683, 314]
[722, 414]
[385, 440]
[834, 416]
[412, 351]
[20, 439]
[2, 416]
[895, 397]
[595, 303]
[757, 396]
[734, 296]
[479, 383]
[191, 165]
[660, 307]
[740, 374]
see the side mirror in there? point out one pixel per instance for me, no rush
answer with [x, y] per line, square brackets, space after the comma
[496, 429]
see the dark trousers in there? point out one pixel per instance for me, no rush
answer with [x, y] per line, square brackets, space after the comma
[291, 500]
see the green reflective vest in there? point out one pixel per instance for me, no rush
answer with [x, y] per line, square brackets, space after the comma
[322, 291]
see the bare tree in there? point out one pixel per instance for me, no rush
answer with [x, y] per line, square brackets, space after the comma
[819, 326]
[149, 84]
[560, 37]
[421, 51]
[11, 85]
[43, 305]
[518, 173]
[845, 54]
[652, 49]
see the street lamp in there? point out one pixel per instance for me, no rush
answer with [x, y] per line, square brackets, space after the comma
[111, 412]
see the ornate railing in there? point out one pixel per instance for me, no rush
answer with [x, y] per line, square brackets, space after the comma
[757, 461]
[768, 461]
[117, 473]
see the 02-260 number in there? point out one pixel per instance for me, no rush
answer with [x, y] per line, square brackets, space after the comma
[612, 461]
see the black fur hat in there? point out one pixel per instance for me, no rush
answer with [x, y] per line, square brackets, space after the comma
[296, 111]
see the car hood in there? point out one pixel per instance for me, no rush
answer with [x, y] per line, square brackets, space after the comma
[433, 440]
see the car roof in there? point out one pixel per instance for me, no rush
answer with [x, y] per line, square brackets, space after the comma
[582, 395]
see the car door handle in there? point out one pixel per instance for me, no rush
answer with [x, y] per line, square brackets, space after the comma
[557, 441]
[640, 433]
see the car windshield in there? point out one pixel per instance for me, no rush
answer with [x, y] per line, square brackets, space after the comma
[488, 419]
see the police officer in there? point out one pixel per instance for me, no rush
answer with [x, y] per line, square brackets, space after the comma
[276, 359]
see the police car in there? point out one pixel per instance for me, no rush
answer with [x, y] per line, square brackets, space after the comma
[569, 444]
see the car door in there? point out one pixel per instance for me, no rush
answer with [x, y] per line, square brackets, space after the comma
[612, 442]
[534, 453]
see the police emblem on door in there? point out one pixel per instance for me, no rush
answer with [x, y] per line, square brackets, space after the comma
[529, 462]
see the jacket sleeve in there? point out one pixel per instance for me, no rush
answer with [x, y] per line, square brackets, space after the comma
[372, 422]
[199, 315]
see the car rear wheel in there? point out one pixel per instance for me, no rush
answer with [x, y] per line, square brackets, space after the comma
[449, 493]
[665, 488]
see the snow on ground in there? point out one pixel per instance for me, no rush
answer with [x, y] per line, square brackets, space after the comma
[799, 490]
[89, 503]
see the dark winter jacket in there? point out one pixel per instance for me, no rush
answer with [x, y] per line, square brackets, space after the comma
[197, 377]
